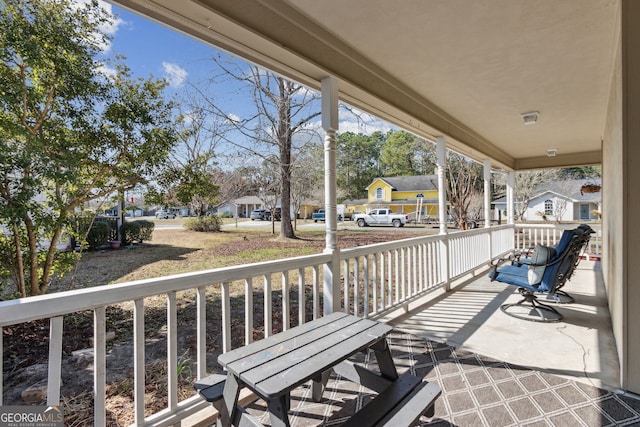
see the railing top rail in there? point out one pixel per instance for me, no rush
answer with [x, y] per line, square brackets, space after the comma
[60, 303]
[562, 226]
[386, 246]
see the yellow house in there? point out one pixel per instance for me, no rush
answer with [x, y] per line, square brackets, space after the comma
[405, 194]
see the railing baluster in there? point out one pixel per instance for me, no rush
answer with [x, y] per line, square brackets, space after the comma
[201, 325]
[374, 281]
[99, 367]
[172, 350]
[268, 306]
[286, 303]
[365, 274]
[226, 317]
[345, 281]
[390, 278]
[248, 311]
[301, 297]
[383, 291]
[138, 364]
[356, 287]
[397, 283]
[405, 277]
[55, 361]
[316, 292]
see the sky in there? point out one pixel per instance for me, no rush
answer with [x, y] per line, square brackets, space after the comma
[152, 49]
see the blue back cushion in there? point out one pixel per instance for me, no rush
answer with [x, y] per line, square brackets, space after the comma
[548, 279]
[565, 239]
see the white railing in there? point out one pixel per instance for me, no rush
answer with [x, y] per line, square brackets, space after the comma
[375, 278]
[528, 235]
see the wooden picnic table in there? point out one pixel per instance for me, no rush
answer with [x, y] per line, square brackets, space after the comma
[273, 367]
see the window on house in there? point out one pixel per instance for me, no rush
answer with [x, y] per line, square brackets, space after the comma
[548, 207]
[379, 193]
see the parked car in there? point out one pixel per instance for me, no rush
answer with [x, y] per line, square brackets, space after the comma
[318, 216]
[260, 214]
[163, 214]
[381, 217]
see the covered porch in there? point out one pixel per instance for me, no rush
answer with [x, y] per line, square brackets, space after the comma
[496, 370]
[493, 369]
[465, 80]
[434, 291]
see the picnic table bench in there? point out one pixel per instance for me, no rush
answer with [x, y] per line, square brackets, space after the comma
[272, 367]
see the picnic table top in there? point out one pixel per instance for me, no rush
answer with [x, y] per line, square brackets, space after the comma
[276, 365]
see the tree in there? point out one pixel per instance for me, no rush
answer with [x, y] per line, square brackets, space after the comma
[358, 162]
[283, 110]
[192, 179]
[464, 182]
[404, 154]
[306, 177]
[68, 134]
[525, 186]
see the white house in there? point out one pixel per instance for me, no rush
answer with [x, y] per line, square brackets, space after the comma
[559, 201]
[241, 207]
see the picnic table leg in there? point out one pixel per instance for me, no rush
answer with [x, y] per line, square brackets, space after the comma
[279, 410]
[227, 406]
[318, 385]
[385, 361]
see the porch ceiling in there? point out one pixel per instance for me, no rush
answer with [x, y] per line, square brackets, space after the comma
[459, 68]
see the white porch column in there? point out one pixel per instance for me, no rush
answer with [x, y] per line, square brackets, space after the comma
[510, 186]
[487, 193]
[441, 158]
[330, 125]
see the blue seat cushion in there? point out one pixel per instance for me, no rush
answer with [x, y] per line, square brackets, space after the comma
[514, 275]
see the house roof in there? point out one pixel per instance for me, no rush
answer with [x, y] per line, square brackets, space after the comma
[410, 183]
[568, 188]
[248, 200]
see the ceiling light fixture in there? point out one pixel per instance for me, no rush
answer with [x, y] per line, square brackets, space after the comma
[530, 118]
[551, 152]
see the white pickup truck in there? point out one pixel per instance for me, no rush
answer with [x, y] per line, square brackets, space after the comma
[381, 217]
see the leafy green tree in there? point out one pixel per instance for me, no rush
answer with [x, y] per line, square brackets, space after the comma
[357, 164]
[195, 186]
[404, 154]
[68, 133]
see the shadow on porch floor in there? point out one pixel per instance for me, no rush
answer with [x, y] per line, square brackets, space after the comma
[495, 370]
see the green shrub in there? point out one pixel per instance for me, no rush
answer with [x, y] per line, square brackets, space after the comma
[136, 231]
[130, 232]
[205, 223]
[98, 235]
[146, 229]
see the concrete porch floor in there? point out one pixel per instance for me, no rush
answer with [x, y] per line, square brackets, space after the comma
[495, 370]
[581, 346]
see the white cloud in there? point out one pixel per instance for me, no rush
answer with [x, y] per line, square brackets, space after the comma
[107, 71]
[233, 117]
[352, 120]
[175, 74]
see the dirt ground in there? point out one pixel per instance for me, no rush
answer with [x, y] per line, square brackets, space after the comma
[170, 252]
